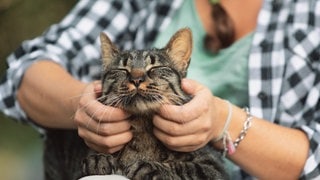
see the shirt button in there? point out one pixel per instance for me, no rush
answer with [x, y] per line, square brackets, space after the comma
[262, 95]
[276, 6]
[266, 46]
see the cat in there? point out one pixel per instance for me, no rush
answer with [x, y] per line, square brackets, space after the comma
[138, 81]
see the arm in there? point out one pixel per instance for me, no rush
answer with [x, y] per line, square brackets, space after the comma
[269, 151]
[70, 43]
[44, 92]
[49, 95]
[53, 98]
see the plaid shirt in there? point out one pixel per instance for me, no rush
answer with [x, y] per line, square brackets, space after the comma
[284, 63]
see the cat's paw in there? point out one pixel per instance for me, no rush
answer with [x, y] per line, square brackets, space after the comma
[98, 164]
[144, 170]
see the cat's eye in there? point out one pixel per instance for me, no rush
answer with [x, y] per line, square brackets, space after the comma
[116, 73]
[125, 58]
[160, 71]
[121, 71]
[152, 59]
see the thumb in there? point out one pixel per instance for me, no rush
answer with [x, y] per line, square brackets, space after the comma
[190, 86]
[97, 88]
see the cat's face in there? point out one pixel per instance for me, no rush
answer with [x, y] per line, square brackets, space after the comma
[140, 81]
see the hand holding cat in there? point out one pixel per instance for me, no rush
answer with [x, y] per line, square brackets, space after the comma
[103, 128]
[191, 126]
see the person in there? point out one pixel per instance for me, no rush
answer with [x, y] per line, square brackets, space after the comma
[260, 54]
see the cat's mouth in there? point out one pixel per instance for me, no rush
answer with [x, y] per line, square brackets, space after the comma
[142, 96]
[141, 102]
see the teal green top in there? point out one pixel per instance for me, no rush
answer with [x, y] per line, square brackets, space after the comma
[225, 73]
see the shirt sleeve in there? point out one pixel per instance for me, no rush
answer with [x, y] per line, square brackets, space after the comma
[284, 82]
[312, 166]
[303, 80]
[72, 43]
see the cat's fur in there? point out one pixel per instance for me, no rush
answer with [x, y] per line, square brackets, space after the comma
[138, 81]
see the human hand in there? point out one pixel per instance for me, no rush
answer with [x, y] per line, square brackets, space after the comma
[103, 128]
[190, 126]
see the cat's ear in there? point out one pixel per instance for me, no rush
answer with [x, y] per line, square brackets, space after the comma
[179, 49]
[108, 49]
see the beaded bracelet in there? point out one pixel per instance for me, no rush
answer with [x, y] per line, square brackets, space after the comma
[229, 146]
[226, 125]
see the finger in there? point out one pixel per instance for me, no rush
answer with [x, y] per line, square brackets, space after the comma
[181, 143]
[108, 129]
[103, 149]
[103, 113]
[189, 111]
[174, 129]
[184, 148]
[84, 121]
[105, 141]
[96, 109]
[91, 91]
[81, 118]
[97, 88]
[101, 127]
[190, 86]
[192, 109]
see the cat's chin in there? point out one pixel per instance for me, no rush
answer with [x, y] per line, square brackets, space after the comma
[141, 107]
[140, 104]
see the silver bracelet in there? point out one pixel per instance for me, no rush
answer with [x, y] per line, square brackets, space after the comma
[246, 126]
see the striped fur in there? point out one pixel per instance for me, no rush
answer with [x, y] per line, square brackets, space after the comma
[140, 82]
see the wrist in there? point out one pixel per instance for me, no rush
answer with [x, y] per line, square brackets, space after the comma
[48, 94]
[77, 90]
[226, 125]
[222, 111]
[229, 128]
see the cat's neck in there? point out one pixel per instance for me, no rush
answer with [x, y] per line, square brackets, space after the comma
[142, 143]
[142, 123]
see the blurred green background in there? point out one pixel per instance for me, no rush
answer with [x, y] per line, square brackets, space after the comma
[21, 145]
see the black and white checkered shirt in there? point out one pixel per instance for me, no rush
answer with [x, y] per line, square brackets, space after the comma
[284, 63]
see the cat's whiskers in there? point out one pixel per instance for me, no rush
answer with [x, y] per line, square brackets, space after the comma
[159, 99]
[101, 98]
[178, 100]
[180, 97]
[81, 108]
[75, 97]
[126, 100]
[114, 101]
[92, 117]
[88, 104]
[99, 121]
[174, 98]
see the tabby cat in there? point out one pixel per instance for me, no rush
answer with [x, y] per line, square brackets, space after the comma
[138, 81]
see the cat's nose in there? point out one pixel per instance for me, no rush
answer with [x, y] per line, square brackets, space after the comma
[137, 76]
[137, 80]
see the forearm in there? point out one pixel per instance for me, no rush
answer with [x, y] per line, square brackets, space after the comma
[268, 151]
[49, 95]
